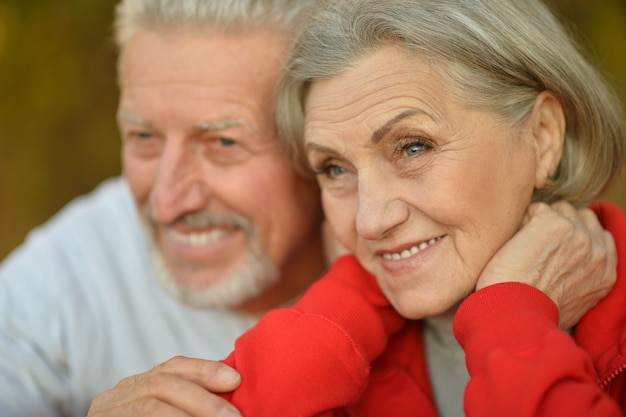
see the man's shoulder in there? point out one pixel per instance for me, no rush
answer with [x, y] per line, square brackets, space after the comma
[96, 225]
[109, 206]
[111, 197]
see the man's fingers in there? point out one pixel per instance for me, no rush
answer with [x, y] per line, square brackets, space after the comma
[179, 387]
[211, 375]
[146, 407]
[160, 394]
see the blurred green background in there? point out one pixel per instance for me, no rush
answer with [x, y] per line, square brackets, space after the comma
[58, 93]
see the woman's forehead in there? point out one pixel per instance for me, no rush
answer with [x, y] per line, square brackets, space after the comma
[382, 86]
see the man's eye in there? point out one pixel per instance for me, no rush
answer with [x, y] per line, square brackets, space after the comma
[226, 142]
[225, 151]
[139, 135]
[143, 143]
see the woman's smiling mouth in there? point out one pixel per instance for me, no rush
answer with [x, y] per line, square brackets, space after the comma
[407, 253]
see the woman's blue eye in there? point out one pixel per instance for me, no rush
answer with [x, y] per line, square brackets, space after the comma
[336, 170]
[414, 149]
[331, 170]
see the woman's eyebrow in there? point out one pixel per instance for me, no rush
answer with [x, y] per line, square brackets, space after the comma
[311, 146]
[381, 131]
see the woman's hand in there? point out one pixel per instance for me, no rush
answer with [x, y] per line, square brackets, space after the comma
[561, 251]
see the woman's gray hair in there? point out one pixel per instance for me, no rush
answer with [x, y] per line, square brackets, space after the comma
[496, 55]
[208, 15]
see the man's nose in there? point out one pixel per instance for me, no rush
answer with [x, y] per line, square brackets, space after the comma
[180, 186]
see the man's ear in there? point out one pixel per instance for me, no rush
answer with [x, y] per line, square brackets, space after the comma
[547, 124]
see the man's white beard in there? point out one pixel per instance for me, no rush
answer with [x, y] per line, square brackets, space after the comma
[251, 276]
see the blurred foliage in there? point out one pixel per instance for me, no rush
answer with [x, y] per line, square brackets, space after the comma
[58, 94]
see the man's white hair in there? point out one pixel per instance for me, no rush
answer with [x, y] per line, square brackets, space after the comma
[209, 15]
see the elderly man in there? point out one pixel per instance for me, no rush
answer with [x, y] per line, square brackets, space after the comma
[209, 227]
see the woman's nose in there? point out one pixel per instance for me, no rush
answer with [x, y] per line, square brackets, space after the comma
[380, 208]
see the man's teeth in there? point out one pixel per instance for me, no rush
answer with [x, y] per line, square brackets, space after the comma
[198, 238]
[409, 252]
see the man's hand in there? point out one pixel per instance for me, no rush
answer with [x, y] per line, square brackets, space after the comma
[176, 388]
[561, 251]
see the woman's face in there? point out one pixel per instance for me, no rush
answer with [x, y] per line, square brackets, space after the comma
[423, 189]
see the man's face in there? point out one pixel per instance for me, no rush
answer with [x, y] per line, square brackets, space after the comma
[200, 152]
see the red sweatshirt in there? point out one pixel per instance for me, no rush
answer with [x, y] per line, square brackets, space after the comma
[314, 359]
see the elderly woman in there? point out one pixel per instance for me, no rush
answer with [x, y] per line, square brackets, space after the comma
[438, 131]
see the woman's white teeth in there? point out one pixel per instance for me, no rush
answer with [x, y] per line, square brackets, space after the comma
[409, 252]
